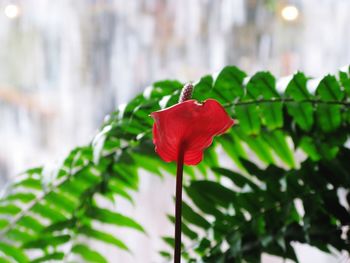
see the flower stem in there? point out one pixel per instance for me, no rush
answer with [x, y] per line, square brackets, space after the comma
[178, 205]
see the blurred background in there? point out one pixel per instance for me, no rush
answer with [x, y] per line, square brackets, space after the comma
[65, 64]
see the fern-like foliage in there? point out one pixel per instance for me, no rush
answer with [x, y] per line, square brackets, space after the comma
[278, 180]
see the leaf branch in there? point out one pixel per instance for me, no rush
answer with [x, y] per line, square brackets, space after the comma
[287, 100]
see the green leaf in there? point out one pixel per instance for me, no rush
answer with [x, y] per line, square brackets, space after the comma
[88, 254]
[184, 228]
[19, 235]
[111, 145]
[165, 87]
[75, 187]
[346, 116]
[297, 88]
[329, 116]
[60, 225]
[259, 225]
[248, 118]
[30, 223]
[9, 209]
[329, 89]
[33, 171]
[23, 197]
[102, 236]
[54, 256]
[301, 111]
[272, 115]
[30, 183]
[233, 148]
[234, 142]
[201, 202]
[279, 144]
[259, 146]
[235, 242]
[238, 179]
[48, 212]
[308, 146]
[4, 260]
[13, 252]
[210, 189]
[210, 157]
[47, 240]
[345, 81]
[203, 88]
[62, 201]
[165, 254]
[170, 241]
[126, 174]
[193, 217]
[149, 163]
[3, 223]
[88, 176]
[228, 84]
[110, 217]
[262, 85]
[116, 187]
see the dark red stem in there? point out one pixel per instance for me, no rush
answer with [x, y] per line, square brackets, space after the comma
[178, 205]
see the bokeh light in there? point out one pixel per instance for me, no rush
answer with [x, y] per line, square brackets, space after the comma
[290, 13]
[11, 11]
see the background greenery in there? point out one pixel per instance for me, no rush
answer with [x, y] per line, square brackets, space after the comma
[286, 177]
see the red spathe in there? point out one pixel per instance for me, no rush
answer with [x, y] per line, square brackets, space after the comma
[188, 126]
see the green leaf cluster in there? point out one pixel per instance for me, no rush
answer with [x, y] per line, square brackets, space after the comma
[285, 176]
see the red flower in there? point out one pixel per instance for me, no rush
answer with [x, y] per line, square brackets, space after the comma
[188, 126]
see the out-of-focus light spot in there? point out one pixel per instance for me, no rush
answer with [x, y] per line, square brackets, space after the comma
[11, 11]
[290, 13]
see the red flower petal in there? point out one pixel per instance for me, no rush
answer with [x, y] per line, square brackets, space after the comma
[190, 125]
